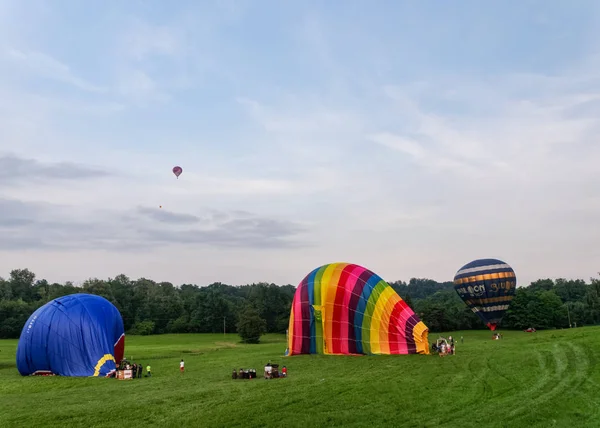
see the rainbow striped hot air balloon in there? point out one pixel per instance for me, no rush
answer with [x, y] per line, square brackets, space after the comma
[487, 286]
[343, 308]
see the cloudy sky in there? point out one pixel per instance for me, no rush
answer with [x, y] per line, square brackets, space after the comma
[408, 137]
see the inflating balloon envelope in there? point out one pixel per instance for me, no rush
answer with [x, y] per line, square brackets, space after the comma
[346, 309]
[487, 286]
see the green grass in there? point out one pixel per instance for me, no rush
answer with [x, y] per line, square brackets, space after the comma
[544, 379]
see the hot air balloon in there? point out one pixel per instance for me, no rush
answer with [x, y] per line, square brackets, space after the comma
[345, 309]
[177, 170]
[75, 335]
[487, 286]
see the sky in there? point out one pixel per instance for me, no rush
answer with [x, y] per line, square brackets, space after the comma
[407, 137]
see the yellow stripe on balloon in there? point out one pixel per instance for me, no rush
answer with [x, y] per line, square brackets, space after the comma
[101, 362]
[484, 277]
[485, 300]
[421, 342]
[328, 289]
[384, 333]
[376, 324]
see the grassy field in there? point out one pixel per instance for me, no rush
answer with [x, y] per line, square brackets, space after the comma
[525, 380]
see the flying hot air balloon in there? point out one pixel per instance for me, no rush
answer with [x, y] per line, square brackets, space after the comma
[177, 170]
[487, 286]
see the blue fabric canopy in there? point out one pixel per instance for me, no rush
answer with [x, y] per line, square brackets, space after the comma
[74, 335]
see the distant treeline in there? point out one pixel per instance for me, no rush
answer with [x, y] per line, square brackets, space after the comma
[149, 307]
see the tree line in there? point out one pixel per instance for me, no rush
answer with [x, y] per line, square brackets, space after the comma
[543, 304]
[150, 307]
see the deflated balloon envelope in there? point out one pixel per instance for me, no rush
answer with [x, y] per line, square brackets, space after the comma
[75, 335]
[487, 286]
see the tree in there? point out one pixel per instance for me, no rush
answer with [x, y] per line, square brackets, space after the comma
[541, 285]
[517, 316]
[143, 328]
[13, 316]
[148, 307]
[569, 290]
[554, 314]
[21, 281]
[251, 326]
[409, 301]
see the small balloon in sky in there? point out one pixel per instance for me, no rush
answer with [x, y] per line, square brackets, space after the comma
[177, 170]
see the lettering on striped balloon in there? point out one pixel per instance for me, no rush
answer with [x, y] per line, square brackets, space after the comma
[476, 290]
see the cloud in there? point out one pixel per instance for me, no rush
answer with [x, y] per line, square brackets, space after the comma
[142, 40]
[158, 61]
[254, 233]
[46, 66]
[293, 119]
[168, 216]
[454, 167]
[215, 227]
[138, 87]
[225, 185]
[410, 148]
[38, 226]
[18, 170]
[521, 136]
[311, 143]
[27, 225]
[394, 142]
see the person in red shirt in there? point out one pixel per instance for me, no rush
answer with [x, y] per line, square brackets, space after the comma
[284, 372]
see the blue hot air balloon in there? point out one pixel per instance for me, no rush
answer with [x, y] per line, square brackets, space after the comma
[487, 286]
[74, 335]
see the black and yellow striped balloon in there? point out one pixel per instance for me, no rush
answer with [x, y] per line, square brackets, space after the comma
[487, 286]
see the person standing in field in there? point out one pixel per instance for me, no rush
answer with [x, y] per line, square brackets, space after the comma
[148, 371]
[181, 366]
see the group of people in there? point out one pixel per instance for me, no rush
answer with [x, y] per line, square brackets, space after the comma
[244, 374]
[136, 370]
[271, 371]
[444, 346]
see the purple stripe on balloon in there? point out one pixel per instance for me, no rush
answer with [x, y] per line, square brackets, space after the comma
[408, 333]
[306, 316]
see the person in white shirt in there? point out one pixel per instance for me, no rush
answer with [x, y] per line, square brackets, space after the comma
[268, 370]
[443, 349]
[181, 366]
